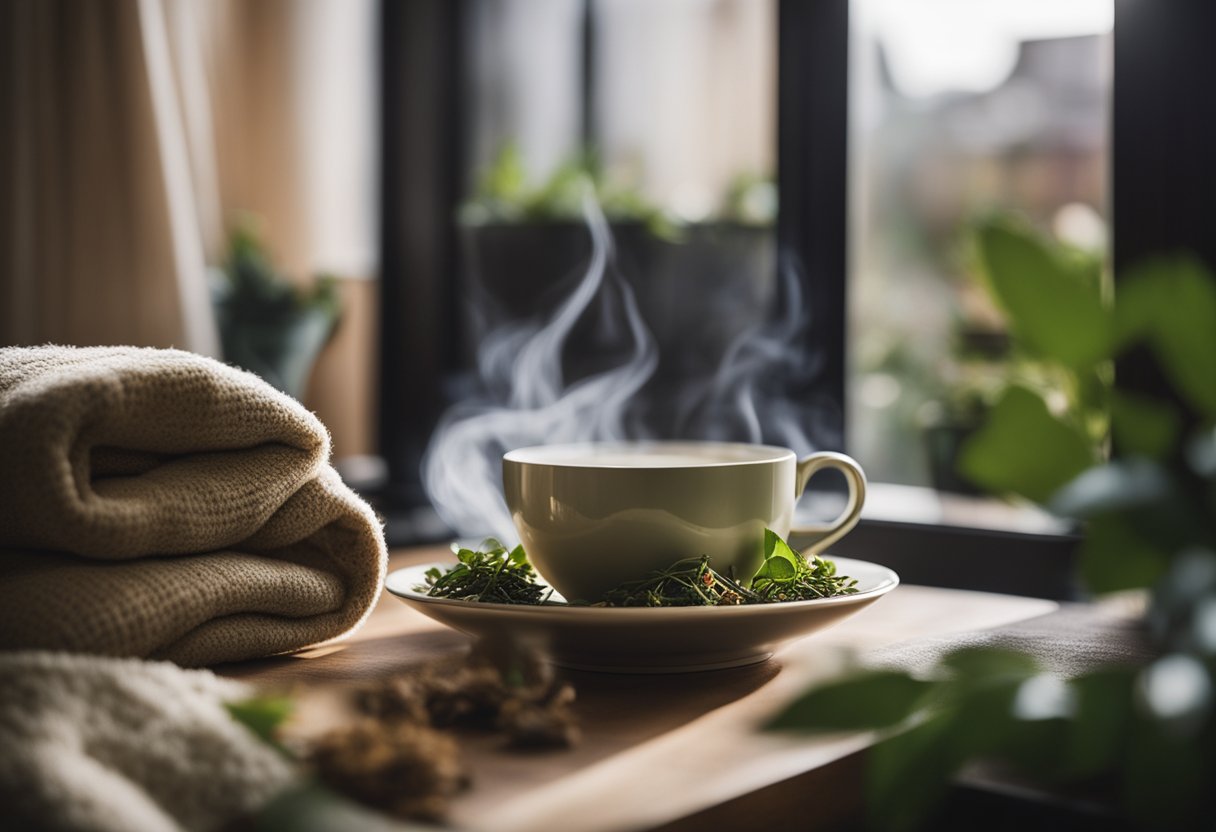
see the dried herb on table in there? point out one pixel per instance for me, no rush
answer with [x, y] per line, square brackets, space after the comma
[397, 757]
[526, 703]
[401, 767]
[489, 574]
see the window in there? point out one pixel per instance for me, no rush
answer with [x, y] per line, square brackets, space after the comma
[958, 110]
[885, 148]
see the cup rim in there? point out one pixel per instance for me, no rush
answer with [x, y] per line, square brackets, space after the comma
[552, 455]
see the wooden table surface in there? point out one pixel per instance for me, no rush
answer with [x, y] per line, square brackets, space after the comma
[672, 751]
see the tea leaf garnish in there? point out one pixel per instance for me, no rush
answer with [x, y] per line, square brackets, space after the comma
[786, 575]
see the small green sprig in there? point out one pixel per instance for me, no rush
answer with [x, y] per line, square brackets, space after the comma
[786, 575]
[490, 574]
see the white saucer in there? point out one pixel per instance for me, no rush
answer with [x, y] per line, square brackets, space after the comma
[648, 640]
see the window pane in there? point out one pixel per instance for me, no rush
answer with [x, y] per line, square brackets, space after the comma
[958, 110]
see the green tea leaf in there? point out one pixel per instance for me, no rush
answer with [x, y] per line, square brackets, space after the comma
[878, 699]
[776, 548]
[518, 557]
[492, 546]
[1054, 306]
[262, 715]
[1023, 449]
[1114, 557]
[777, 569]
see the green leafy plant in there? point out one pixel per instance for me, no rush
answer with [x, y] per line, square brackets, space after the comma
[1144, 735]
[268, 324]
[1059, 378]
[1057, 349]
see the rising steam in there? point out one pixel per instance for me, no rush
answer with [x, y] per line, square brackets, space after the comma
[745, 399]
[463, 465]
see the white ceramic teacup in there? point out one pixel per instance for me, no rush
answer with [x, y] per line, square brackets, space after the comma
[592, 516]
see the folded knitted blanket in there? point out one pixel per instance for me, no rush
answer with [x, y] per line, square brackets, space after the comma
[119, 744]
[156, 503]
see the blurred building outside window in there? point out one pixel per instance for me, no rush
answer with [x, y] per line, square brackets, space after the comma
[959, 110]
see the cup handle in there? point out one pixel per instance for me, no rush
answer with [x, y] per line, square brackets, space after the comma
[824, 535]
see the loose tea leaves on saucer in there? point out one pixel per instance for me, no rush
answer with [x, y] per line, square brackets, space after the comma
[490, 574]
[691, 582]
[495, 575]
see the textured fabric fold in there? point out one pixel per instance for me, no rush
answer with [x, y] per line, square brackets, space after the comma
[158, 503]
[118, 744]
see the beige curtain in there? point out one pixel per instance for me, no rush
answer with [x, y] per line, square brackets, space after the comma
[137, 129]
[99, 225]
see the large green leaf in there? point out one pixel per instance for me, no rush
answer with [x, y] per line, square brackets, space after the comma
[908, 774]
[1115, 557]
[1171, 305]
[1096, 732]
[1023, 449]
[877, 699]
[1054, 306]
[1142, 424]
[988, 664]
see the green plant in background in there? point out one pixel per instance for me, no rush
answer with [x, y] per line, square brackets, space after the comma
[1146, 734]
[1042, 351]
[504, 194]
[267, 324]
[751, 199]
[1062, 330]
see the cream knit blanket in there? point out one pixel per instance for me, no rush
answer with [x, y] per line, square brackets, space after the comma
[155, 503]
[120, 744]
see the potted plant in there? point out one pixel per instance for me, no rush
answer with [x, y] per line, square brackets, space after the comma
[698, 285]
[267, 324]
